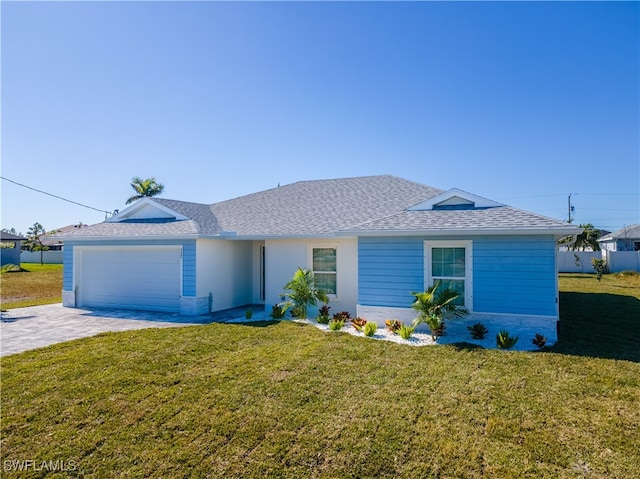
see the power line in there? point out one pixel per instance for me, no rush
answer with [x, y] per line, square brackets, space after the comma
[56, 196]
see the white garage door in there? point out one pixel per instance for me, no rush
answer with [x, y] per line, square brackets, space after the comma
[133, 277]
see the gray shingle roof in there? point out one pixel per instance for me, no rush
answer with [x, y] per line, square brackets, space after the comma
[319, 207]
[630, 232]
[138, 229]
[500, 218]
[202, 215]
[322, 207]
[6, 236]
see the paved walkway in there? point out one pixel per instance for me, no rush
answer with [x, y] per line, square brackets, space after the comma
[22, 329]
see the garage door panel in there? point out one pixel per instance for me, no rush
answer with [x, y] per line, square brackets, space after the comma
[132, 277]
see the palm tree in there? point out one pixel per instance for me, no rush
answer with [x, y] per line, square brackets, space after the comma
[303, 292]
[587, 239]
[434, 306]
[144, 188]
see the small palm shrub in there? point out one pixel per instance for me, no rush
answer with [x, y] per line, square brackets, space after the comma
[248, 314]
[504, 340]
[302, 293]
[434, 305]
[278, 311]
[358, 323]
[370, 329]
[405, 332]
[10, 268]
[539, 340]
[336, 324]
[393, 325]
[323, 314]
[478, 331]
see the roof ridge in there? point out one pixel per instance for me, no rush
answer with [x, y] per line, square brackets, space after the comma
[179, 201]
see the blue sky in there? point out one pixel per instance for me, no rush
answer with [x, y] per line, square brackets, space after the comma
[523, 103]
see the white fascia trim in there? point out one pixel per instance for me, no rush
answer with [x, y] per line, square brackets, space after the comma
[140, 204]
[91, 239]
[479, 201]
[464, 232]
[328, 237]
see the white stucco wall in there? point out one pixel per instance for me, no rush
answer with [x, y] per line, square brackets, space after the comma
[283, 257]
[225, 270]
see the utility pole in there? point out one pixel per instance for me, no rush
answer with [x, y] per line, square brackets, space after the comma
[570, 208]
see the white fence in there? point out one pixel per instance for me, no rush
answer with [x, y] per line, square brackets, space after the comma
[577, 261]
[622, 260]
[580, 261]
[48, 257]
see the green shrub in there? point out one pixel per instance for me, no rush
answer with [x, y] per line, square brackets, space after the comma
[504, 340]
[599, 266]
[405, 332]
[370, 329]
[539, 340]
[478, 331]
[248, 314]
[278, 311]
[323, 314]
[336, 324]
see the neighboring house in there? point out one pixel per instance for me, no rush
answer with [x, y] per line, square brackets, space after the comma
[51, 239]
[371, 241]
[625, 239]
[10, 251]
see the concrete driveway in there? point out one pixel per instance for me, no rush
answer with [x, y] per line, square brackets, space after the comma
[22, 329]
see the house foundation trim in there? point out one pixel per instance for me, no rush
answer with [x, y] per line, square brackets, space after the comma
[194, 306]
[69, 299]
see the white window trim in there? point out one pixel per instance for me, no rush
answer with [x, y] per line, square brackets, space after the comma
[310, 248]
[468, 265]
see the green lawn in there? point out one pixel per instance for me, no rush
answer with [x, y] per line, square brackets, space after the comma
[287, 400]
[36, 284]
[600, 319]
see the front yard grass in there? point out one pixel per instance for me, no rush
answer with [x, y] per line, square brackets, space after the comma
[600, 319]
[287, 400]
[36, 284]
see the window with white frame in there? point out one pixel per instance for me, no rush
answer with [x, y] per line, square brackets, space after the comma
[448, 263]
[324, 267]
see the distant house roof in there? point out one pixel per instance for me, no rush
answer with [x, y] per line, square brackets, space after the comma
[347, 206]
[6, 236]
[50, 238]
[631, 232]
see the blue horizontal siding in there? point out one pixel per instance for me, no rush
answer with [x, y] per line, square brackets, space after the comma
[67, 266]
[388, 270]
[514, 275]
[511, 274]
[189, 269]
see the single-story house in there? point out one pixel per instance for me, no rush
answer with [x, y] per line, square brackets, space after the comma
[11, 245]
[51, 239]
[370, 241]
[624, 239]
